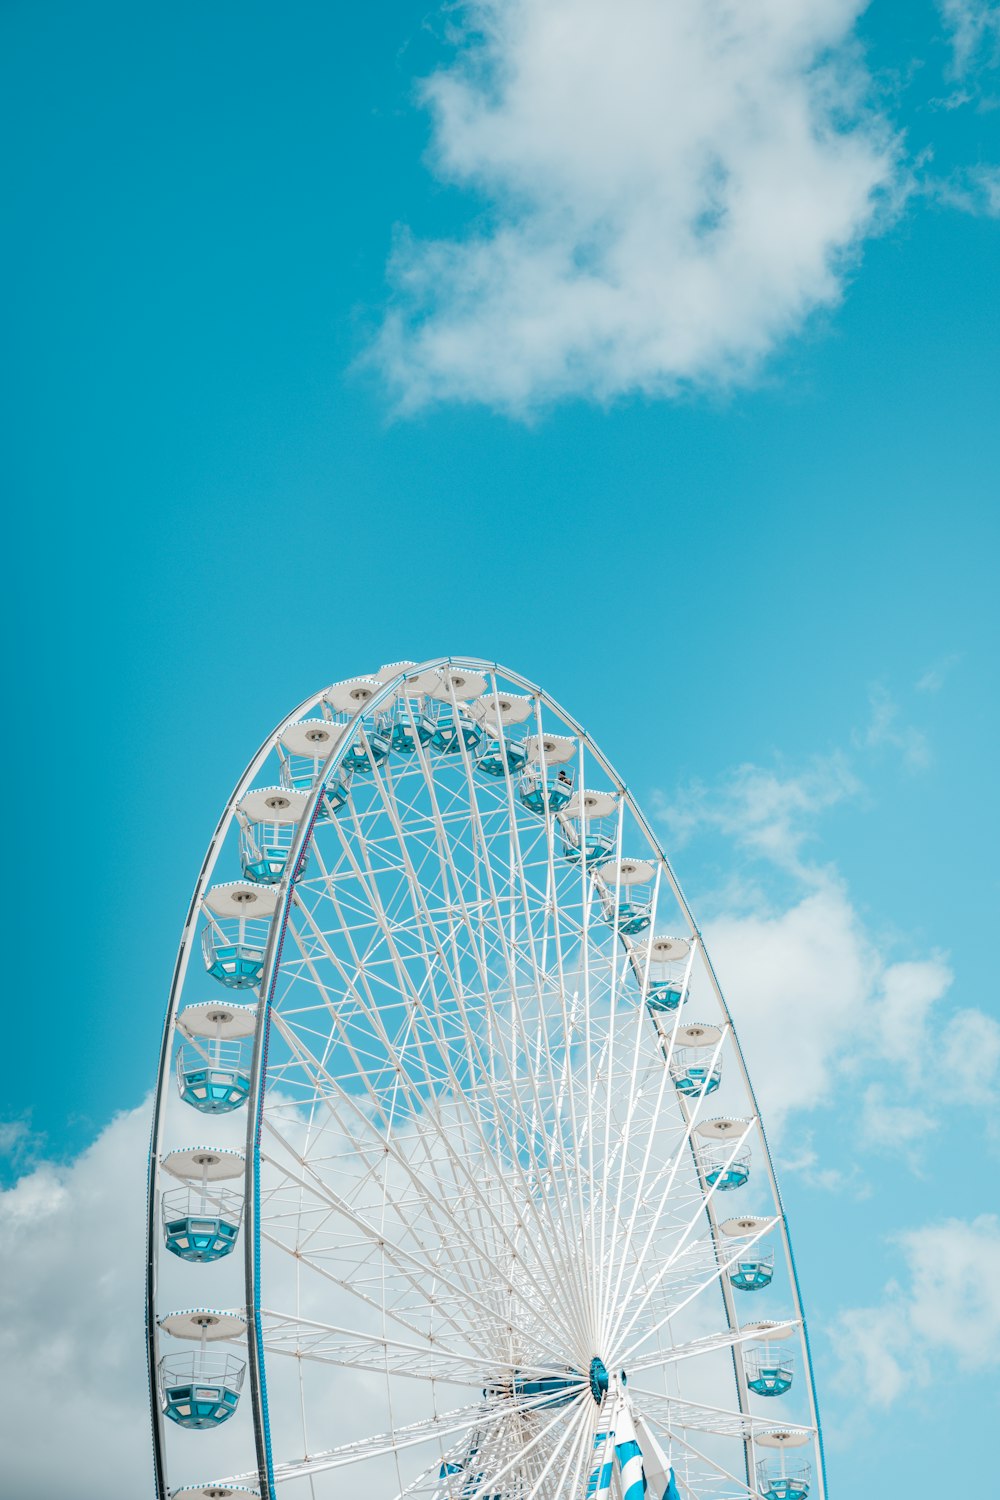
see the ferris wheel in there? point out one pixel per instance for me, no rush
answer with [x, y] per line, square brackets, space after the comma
[458, 1188]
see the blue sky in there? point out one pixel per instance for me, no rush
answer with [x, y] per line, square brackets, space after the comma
[313, 367]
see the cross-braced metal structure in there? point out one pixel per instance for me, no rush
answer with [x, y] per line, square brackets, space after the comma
[486, 1208]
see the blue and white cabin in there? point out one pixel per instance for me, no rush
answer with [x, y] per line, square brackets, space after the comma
[587, 827]
[547, 783]
[199, 1390]
[201, 1227]
[214, 1076]
[776, 1482]
[201, 1219]
[782, 1474]
[402, 718]
[500, 753]
[695, 1066]
[369, 744]
[659, 965]
[269, 819]
[750, 1269]
[723, 1170]
[627, 895]
[303, 749]
[238, 920]
[452, 730]
[770, 1369]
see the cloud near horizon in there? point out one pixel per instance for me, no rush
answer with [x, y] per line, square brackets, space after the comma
[671, 189]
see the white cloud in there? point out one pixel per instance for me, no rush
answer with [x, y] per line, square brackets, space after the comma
[874, 1351]
[71, 1343]
[815, 1000]
[672, 189]
[949, 1305]
[893, 1127]
[767, 814]
[909, 992]
[970, 1054]
[934, 679]
[819, 1000]
[973, 27]
[72, 1245]
[886, 731]
[973, 190]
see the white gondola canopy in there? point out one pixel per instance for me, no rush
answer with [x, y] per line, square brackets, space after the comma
[274, 804]
[348, 697]
[220, 1491]
[503, 709]
[588, 804]
[626, 872]
[698, 1034]
[204, 1323]
[313, 738]
[239, 898]
[745, 1227]
[459, 684]
[723, 1129]
[556, 749]
[663, 950]
[217, 1018]
[767, 1333]
[783, 1437]
[204, 1163]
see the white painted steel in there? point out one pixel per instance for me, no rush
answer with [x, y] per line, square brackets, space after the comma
[467, 1166]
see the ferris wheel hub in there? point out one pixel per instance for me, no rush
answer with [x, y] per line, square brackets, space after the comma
[600, 1380]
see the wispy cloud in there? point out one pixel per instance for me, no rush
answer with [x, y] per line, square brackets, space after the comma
[972, 190]
[20, 1145]
[973, 27]
[765, 812]
[816, 968]
[670, 191]
[817, 965]
[948, 1305]
[886, 730]
[71, 1242]
[937, 674]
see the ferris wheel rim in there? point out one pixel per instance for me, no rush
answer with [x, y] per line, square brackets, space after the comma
[385, 692]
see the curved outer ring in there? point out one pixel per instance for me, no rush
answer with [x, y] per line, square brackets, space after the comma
[272, 961]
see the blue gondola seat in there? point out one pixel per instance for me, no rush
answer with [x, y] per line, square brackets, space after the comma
[551, 790]
[779, 1481]
[264, 863]
[661, 998]
[236, 965]
[200, 1391]
[453, 730]
[633, 917]
[769, 1379]
[199, 1237]
[770, 1370]
[496, 759]
[367, 750]
[593, 848]
[201, 1230]
[691, 1078]
[752, 1272]
[217, 1083]
[723, 1174]
[727, 1179]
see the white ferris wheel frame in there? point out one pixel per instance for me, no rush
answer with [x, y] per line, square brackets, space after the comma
[268, 1473]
